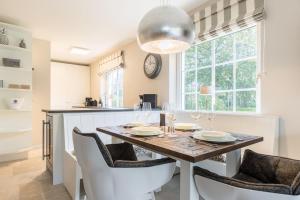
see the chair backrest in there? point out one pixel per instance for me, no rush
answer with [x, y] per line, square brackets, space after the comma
[94, 161]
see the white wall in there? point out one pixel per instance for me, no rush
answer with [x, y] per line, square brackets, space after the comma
[281, 85]
[135, 82]
[40, 86]
[70, 84]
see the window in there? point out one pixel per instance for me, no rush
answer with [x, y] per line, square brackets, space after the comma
[228, 65]
[112, 88]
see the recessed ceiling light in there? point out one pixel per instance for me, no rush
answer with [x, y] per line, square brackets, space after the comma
[79, 51]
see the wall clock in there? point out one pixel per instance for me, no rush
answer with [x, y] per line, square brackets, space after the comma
[152, 65]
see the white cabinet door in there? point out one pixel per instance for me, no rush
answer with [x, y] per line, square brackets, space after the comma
[70, 122]
[88, 123]
[101, 120]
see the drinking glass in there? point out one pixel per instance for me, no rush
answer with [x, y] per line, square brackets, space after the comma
[136, 108]
[147, 110]
[196, 116]
[165, 108]
[171, 118]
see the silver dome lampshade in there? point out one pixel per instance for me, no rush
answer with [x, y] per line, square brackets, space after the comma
[166, 30]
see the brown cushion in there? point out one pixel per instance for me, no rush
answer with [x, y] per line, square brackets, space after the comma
[274, 188]
[270, 169]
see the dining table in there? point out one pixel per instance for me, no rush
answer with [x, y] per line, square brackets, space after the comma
[182, 147]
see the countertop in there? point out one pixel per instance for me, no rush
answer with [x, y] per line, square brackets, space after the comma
[92, 109]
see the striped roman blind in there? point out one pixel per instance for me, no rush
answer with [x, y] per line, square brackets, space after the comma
[226, 15]
[111, 62]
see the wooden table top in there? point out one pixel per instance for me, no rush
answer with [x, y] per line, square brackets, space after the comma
[182, 146]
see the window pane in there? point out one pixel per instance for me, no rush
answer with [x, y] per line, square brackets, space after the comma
[246, 74]
[224, 101]
[190, 58]
[224, 49]
[204, 54]
[204, 77]
[224, 77]
[204, 102]
[190, 102]
[246, 43]
[190, 81]
[246, 101]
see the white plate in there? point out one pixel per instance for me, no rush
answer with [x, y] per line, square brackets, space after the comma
[145, 131]
[186, 126]
[214, 135]
[135, 124]
[228, 138]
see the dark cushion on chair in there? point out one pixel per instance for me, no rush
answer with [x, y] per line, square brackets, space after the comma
[122, 151]
[274, 188]
[270, 169]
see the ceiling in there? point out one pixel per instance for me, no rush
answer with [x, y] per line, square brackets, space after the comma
[98, 25]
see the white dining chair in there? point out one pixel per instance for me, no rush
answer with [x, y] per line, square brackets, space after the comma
[112, 172]
[260, 177]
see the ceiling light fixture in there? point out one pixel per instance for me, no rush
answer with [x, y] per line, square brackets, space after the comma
[165, 30]
[79, 51]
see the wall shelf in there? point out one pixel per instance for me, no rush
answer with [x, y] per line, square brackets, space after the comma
[15, 90]
[16, 69]
[14, 48]
[14, 138]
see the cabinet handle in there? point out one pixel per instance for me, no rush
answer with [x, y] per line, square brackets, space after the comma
[43, 138]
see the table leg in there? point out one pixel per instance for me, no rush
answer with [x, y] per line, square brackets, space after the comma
[233, 162]
[188, 190]
[115, 140]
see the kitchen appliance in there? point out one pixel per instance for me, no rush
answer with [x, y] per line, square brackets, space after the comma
[152, 98]
[47, 142]
[90, 102]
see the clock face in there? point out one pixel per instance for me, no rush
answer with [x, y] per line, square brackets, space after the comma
[152, 65]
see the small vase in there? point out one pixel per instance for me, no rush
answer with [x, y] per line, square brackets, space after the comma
[3, 37]
[22, 44]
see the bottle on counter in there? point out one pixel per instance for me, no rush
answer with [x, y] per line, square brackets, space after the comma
[100, 103]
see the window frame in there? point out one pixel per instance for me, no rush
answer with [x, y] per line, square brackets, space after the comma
[259, 63]
[104, 88]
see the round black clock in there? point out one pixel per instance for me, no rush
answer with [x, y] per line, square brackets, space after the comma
[152, 65]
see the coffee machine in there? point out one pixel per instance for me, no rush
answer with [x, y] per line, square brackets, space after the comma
[152, 98]
[89, 102]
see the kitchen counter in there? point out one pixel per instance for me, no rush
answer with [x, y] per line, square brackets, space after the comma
[91, 109]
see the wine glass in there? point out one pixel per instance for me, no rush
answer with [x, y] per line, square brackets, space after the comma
[165, 108]
[136, 108]
[147, 110]
[211, 117]
[196, 116]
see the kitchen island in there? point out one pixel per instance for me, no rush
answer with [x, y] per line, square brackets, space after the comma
[59, 123]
